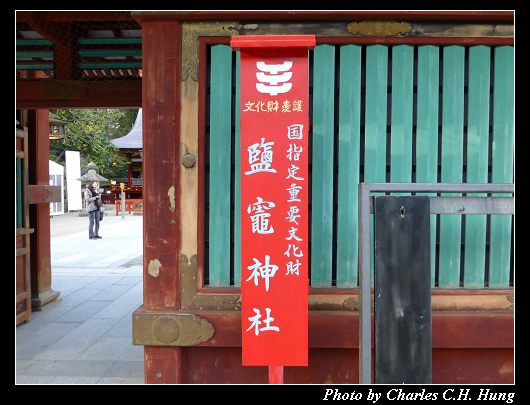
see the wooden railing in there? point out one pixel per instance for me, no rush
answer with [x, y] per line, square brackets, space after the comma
[132, 205]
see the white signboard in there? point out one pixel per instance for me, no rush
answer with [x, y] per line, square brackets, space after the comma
[73, 186]
[56, 179]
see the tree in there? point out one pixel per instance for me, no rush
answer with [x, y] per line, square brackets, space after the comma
[90, 132]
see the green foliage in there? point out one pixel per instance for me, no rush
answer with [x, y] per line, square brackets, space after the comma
[90, 132]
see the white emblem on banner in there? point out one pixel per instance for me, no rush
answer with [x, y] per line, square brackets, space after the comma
[277, 73]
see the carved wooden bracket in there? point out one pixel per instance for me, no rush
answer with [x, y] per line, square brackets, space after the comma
[170, 329]
[379, 28]
[191, 300]
[191, 31]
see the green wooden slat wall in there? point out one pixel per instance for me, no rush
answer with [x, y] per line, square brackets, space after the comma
[349, 164]
[237, 180]
[443, 113]
[427, 128]
[375, 122]
[322, 170]
[502, 161]
[375, 113]
[452, 160]
[401, 117]
[477, 161]
[220, 165]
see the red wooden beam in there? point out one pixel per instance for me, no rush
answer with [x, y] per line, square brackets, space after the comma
[52, 94]
[333, 329]
[458, 15]
[55, 16]
[328, 15]
[42, 194]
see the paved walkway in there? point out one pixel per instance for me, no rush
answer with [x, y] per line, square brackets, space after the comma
[85, 336]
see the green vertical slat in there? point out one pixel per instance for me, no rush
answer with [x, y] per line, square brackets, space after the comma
[427, 128]
[322, 173]
[477, 161]
[452, 160]
[375, 116]
[348, 176]
[220, 162]
[375, 121]
[502, 162]
[237, 179]
[401, 121]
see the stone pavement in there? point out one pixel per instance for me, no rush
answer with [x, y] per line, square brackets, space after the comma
[85, 336]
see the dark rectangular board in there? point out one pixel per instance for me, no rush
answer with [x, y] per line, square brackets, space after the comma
[403, 340]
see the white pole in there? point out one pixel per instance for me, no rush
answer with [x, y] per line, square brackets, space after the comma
[123, 205]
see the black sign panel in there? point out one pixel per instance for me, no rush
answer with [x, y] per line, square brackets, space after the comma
[403, 341]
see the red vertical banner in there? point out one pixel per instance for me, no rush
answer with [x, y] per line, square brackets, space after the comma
[274, 198]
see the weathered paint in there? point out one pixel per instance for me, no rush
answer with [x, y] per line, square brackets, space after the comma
[171, 195]
[154, 268]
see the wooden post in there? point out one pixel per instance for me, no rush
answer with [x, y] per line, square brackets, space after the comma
[38, 171]
[162, 239]
[275, 374]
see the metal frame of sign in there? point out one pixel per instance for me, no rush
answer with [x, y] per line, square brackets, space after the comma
[438, 205]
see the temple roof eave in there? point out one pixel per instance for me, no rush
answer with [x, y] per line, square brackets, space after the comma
[133, 140]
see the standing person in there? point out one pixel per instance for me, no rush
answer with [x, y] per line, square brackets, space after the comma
[93, 199]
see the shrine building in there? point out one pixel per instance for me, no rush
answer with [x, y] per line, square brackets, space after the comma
[130, 147]
[402, 97]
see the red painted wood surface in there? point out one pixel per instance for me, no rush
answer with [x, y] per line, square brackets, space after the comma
[274, 198]
[336, 329]
[261, 42]
[43, 194]
[38, 173]
[161, 171]
[275, 374]
[163, 365]
[214, 365]
[468, 347]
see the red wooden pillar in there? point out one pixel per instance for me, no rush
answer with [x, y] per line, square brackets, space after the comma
[161, 56]
[38, 173]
